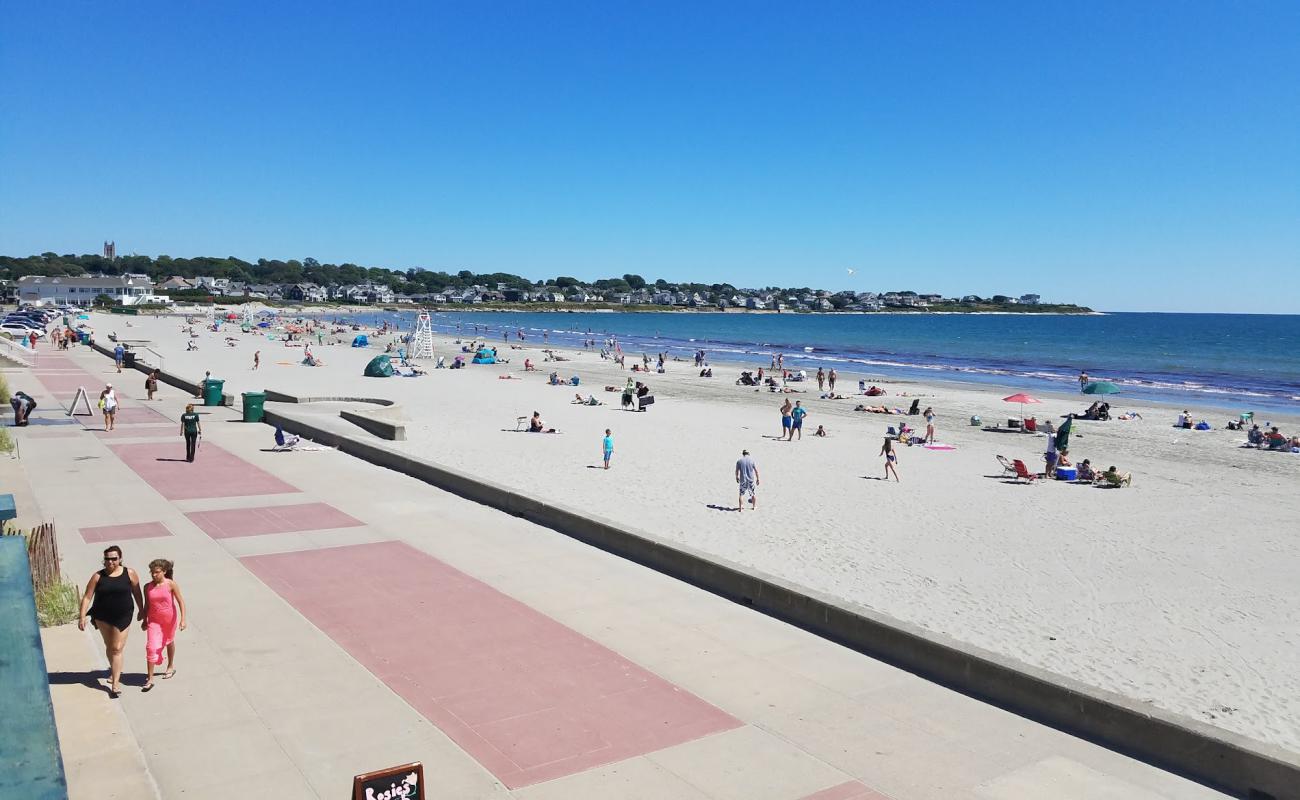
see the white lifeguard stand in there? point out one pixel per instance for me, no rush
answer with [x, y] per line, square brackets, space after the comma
[422, 341]
[248, 314]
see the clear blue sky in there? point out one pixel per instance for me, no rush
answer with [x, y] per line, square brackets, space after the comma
[1128, 156]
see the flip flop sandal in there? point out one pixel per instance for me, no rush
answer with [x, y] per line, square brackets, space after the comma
[147, 687]
[171, 673]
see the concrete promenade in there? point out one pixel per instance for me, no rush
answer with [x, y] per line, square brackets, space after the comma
[343, 619]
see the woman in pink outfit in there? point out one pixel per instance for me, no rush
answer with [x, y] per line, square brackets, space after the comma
[164, 608]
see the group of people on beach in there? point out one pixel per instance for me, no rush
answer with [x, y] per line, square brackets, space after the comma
[115, 599]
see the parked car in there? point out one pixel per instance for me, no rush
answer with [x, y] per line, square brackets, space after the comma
[18, 330]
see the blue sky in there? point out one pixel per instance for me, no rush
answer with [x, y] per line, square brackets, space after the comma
[1128, 156]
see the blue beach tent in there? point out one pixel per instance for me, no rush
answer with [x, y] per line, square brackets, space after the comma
[361, 340]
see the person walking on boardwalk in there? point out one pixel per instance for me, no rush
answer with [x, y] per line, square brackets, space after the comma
[164, 615]
[191, 429]
[607, 446]
[891, 459]
[108, 404]
[747, 479]
[111, 597]
[119, 355]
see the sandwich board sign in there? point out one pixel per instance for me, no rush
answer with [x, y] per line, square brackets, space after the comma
[404, 782]
[81, 395]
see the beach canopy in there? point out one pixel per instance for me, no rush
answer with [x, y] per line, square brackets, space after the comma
[379, 367]
[361, 340]
[232, 315]
[1101, 387]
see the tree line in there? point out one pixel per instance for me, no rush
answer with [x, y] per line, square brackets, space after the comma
[309, 270]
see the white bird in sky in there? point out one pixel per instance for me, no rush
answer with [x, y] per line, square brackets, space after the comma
[850, 271]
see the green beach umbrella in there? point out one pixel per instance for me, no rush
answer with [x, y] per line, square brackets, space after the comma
[1101, 387]
[1063, 434]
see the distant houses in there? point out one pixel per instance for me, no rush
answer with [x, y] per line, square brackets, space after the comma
[134, 289]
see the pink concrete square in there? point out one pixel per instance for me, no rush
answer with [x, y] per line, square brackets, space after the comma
[214, 473]
[231, 523]
[530, 699]
[849, 790]
[115, 533]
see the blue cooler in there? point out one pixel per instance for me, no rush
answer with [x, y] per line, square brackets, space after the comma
[1067, 473]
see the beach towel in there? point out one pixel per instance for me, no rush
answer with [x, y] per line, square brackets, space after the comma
[937, 446]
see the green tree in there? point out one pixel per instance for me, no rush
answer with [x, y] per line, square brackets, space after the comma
[634, 281]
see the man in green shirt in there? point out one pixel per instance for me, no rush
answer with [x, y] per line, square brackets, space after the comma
[191, 430]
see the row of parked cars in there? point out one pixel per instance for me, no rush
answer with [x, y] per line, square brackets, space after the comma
[26, 320]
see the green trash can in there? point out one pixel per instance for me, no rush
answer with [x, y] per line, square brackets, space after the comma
[253, 406]
[212, 391]
[84, 336]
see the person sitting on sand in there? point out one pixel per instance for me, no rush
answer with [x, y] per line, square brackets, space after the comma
[1086, 473]
[528, 365]
[707, 372]
[1112, 478]
[191, 346]
[821, 431]
[1184, 420]
[535, 425]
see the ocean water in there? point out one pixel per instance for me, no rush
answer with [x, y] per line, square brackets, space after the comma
[1233, 361]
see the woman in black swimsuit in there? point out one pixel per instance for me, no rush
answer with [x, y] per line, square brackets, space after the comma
[115, 592]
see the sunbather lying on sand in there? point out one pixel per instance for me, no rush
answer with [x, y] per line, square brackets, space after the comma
[877, 409]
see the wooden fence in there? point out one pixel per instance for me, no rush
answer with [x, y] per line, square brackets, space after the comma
[42, 554]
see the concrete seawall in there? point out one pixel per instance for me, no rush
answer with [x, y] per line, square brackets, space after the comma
[1226, 761]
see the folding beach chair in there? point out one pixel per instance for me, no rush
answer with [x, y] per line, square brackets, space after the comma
[1022, 472]
[1008, 469]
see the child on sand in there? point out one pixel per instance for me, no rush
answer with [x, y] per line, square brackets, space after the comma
[164, 611]
[891, 459]
[607, 446]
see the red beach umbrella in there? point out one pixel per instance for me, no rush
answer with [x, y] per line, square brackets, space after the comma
[1022, 399]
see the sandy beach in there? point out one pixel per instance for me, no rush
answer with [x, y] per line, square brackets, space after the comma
[1180, 591]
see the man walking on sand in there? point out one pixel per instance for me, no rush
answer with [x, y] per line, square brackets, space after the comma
[257, 359]
[748, 480]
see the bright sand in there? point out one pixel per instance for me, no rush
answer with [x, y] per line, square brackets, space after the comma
[1182, 591]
